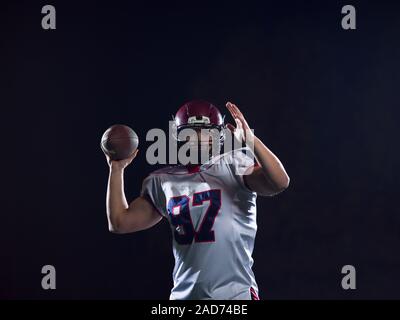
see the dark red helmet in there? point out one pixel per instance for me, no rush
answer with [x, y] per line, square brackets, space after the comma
[199, 113]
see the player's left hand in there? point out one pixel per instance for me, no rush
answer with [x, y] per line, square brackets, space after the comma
[242, 130]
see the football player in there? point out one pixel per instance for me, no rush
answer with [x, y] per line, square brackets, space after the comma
[210, 207]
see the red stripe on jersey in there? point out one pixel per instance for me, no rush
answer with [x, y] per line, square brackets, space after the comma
[193, 168]
[254, 295]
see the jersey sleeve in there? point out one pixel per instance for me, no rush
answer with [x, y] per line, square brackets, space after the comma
[240, 161]
[152, 191]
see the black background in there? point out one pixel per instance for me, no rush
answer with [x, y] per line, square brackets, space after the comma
[324, 99]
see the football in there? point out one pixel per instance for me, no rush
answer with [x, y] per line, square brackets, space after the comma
[119, 142]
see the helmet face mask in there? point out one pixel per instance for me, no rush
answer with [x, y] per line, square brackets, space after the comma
[200, 119]
[204, 130]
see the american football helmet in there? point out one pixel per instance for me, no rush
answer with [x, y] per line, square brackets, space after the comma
[200, 114]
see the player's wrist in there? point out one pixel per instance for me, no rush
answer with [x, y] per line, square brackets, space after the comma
[116, 168]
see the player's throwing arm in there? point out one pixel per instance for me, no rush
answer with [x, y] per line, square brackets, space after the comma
[124, 218]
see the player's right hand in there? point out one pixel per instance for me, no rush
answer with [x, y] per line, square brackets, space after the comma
[120, 164]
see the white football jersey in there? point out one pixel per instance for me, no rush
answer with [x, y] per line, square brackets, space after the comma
[212, 215]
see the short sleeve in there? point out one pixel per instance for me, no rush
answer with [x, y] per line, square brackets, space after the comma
[152, 191]
[240, 161]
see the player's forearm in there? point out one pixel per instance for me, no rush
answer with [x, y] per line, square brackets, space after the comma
[271, 166]
[116, 201]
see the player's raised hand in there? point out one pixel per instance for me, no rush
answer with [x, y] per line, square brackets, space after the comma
[121, 164]
[242, 129]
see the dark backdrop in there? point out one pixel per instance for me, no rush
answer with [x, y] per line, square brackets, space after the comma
[325, 100]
